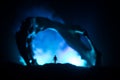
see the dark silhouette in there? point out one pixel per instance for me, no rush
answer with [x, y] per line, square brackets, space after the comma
[56, 71]
[55, 59]
[21, 40]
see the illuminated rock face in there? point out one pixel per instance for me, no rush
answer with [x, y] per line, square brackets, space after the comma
[40, 39]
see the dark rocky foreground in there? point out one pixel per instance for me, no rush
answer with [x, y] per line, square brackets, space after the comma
[56, 72]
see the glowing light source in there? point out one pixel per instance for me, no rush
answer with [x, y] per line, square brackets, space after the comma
[48, 43]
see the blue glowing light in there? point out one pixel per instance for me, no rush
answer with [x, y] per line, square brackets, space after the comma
[48, 43]
[21, 60]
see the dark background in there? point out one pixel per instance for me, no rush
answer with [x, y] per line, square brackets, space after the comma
[99, 18]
